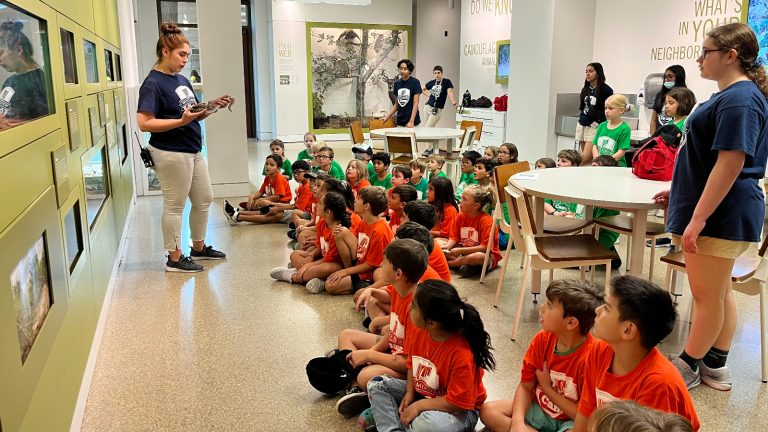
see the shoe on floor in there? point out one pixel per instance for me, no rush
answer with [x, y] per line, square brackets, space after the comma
[291, 234]
[427, 153]
[691, 378]
[282, 274]
[366, 421]
[183, 265]
[717, 378]
[616, 262]
[292, 225]
[228, 209]
[208, 252]
[467, 271]
[366, 322]
[233, 218]
[660, 242]
[353, 403]
[316, 286]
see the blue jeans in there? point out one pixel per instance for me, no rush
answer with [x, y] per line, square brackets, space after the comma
[386, 393]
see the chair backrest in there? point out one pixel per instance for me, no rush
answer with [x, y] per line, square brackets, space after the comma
[511, 195]
[379, 124]
[465, 124]
[467, 139]
[356, 133]
[524, 216]
[400, 143]
[502, 173]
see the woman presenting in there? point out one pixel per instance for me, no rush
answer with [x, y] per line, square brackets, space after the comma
[165, 102]
[716, 203]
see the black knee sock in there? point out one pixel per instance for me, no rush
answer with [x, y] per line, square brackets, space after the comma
[715, 358]
[692, 362]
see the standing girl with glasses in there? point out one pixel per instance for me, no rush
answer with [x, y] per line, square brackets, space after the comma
[716, 205]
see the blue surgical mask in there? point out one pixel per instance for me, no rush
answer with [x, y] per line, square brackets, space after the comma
[669, 84]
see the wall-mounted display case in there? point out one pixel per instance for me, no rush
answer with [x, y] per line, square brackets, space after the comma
[96, 179]
[91, 62]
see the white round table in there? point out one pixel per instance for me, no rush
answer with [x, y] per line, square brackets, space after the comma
[607, 187]
[425, 134]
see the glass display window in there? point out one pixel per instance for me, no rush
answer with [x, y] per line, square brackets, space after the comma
[73, 236]
[69, 58]
[108, 65]
[96, 178]
[118, 68]
[26, 92]
[91, 63]
[183, 13]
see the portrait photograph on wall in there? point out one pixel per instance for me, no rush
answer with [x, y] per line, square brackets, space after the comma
[352, 68]
[32, 297]
[26, 92]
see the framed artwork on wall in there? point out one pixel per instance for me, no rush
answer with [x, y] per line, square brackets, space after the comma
[502, 62]
[757, 19]
[351, 70]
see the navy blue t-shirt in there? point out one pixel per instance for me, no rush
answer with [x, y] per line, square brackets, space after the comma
[593, 104]
[733, 119]
[438, 92]
[166, 96]
[405, 92]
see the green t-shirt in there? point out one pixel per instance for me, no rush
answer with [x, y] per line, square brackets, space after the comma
[464, 181]
[680, 124]
[421, 188]
[439, 174]
[562, 206]
[608, 141]
[370, 169]
[606, 238]
[285, 169]
[304, 155]
[335, 172]
[386, 183]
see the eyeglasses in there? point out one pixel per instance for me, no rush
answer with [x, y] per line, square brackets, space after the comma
[320, 157]
[705, 51]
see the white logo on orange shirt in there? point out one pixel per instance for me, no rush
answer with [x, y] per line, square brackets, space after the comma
[362, 244]
[469, 237]
[396, 334]
[564, 385]
[603, 397]
[425, 378]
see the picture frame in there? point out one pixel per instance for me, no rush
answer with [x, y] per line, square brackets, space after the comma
[73, 108]
[60, 166]
[502, 61]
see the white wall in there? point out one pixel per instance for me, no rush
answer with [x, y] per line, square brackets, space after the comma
[288, 23]
[261, 10]
[432, 19]
[483, 23]
[629, 34]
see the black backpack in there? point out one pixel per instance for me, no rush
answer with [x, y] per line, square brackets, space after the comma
[331, 374]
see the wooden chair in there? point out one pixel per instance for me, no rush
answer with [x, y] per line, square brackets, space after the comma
[749, 276]
[403, 143]
[356, 133]
[501, 175]
[379, 124]
[622, 224]
[549, 252]
[466, 124]
[466, 140]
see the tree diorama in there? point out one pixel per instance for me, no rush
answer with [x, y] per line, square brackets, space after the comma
[353, 71]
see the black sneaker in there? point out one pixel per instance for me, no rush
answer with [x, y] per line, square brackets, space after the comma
[660, 242]
[292, 225]
[292, 234]
[467, 271]
[183, 265]
[353, 403]
[228, 209]
[208, 252]
[616, 262]
[264, 210]
[427, 153]
[366, 322]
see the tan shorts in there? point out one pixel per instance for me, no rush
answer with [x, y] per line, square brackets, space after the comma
[586, 133]
[721, 248]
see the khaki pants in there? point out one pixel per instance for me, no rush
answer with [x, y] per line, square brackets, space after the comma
[182, 176]
[430, 120]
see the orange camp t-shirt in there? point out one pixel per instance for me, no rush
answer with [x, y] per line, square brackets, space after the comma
[371, 241]
[475, 231]
[394, 221]
[438, 262]
[566, 372]
[325, 242]
[355, 221]
[361, 184]
[276, 184]
[444, 225]
[444, 368]
[654, 383]
[303, 198]
[399, 319]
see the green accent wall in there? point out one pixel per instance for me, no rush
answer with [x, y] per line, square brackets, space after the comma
[89, 119]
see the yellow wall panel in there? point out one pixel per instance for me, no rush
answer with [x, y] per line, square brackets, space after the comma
[80, 11]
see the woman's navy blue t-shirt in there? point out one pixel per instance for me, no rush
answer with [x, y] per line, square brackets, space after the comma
[405, 91]
[734, 119]
[166, 96]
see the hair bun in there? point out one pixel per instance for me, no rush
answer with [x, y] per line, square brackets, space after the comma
[15, 26]
[169, 29]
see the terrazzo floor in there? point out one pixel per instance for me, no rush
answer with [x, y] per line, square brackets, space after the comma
[225, 350]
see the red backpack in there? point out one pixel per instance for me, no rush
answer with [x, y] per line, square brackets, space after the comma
[655, 160]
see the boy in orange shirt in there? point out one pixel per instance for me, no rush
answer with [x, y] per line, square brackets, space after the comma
[373, 235]
[278, 212]
[275, 188]
[398, 197]
[552, 375]
[425, 215]
[405, 261]
[624, 362]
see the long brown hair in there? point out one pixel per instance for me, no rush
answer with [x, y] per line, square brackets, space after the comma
[12, 37]
[171, 37]
[739, 37]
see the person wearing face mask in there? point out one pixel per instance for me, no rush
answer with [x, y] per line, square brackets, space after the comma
[674, 77]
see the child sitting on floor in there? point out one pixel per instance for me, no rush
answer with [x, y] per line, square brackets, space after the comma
[440, 195]
[398, 197]
[557, 354]
[628, 416]
[326, 163]
[381, 176]
[468, 160]
[277, 147]
[275, 188]
[424, 214]
[492, 153]
[508, 154]
[484, 170]
[419, 178]
[401, 175]
[435, 164]
[306, 154]
[545, 163]
[471, 233]
[565, 159]
[357, 176]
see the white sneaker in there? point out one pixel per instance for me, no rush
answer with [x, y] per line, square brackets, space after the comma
[718, 379]
[316, 286]
[282, 274]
